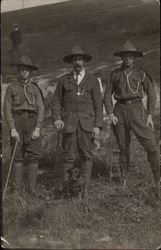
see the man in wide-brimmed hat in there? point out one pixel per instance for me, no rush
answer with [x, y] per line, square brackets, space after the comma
[128, 83]
[24, 111]
[77, 111]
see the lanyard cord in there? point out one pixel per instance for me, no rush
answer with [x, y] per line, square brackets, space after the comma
[134, 92]
[25, 92]
[137, 88]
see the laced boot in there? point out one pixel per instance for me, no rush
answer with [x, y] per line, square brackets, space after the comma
[86, 173]
[18, 176]
[66, 183]
[32, 177]
[156, 173]
[123, 175]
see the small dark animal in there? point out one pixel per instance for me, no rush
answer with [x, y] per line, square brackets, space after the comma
[76, 183]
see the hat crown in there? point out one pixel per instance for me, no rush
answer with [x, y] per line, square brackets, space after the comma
[128, 46]
[25, 60]
[77, 50]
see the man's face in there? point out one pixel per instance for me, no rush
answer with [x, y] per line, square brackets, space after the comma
[128, 59]
[24, 72]
[78, 63]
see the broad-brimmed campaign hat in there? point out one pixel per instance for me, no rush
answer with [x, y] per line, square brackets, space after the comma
[129, 48]
[24, 60]
[77, 51]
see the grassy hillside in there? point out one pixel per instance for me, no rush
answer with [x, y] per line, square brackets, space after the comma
[99, 26]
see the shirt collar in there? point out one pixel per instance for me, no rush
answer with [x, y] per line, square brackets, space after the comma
[81, 73]
[22, 83]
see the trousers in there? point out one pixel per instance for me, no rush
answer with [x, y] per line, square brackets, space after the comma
[79, 142]
[130, 117]
[25, 123]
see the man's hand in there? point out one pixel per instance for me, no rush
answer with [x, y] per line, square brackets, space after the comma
[95, 132]
[112, 119]
[15, 134]
[59, 125]
[150, 122]
[35, 134]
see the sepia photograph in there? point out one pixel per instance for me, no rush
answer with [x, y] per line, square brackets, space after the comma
[80, 124]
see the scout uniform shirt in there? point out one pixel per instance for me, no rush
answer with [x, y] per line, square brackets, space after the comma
[23, 97]
[129, 86]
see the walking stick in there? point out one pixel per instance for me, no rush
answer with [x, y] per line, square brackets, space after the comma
[10, 166]
[58, 142]
[57, 169]
[111, 159]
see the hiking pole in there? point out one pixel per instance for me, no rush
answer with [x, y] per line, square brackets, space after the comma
[111, 159]
[10, 166]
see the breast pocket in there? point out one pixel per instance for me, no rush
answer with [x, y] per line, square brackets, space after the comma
[87, 90]
[68, 89]
[31, 97]
[136, 81]
[16, 99]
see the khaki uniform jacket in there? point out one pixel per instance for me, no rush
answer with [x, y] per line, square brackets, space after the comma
[15, 100]
[74, 103]
[133, 86]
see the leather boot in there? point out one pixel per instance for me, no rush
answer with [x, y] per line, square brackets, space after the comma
[66, 168]
[123, 173]
[18, 175]
[32, 176]
[124, 165]
[156, 173]
[86, 174]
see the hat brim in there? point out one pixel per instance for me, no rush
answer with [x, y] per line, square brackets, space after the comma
[136, 53]
[32, 67]
[68, 59]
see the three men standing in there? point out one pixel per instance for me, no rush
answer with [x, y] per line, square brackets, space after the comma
[77, 111]
[128, 83]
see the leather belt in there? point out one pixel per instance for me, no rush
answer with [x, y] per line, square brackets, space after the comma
[66, 110]
[129, 101]
[25, 113]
